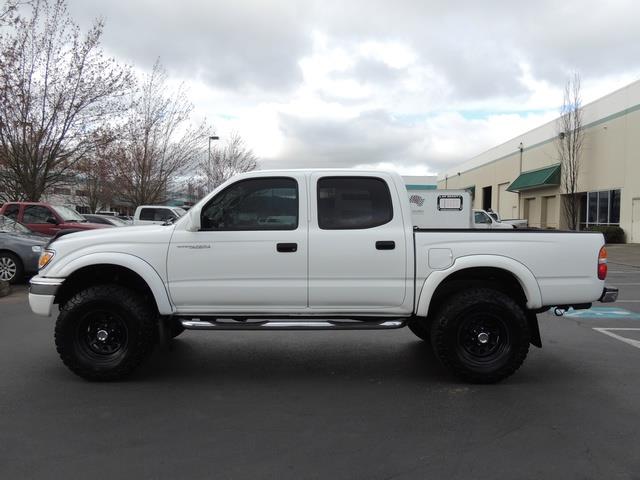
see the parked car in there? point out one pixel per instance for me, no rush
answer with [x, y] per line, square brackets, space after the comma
[20, 249]
[156, 214]
[313, 250]
[516, 222]
[47, 219]
[105, 219]
[481, 219]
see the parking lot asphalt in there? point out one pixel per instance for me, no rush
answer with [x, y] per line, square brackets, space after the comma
[366, 404]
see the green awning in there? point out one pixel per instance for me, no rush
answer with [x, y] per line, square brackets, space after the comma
[540, 178]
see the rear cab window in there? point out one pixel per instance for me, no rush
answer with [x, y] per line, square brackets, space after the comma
[12, 211]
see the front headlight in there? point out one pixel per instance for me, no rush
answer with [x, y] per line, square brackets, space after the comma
[36, 249]
[45, 258]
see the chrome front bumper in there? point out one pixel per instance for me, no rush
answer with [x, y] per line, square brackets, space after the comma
[609, 294]
[42, 294]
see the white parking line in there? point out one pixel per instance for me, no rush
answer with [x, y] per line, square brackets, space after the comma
[628, 341]
[627, 301]
[632, 283]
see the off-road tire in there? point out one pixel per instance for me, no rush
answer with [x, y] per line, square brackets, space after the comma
[133, 320]
[7, 259]
[463, 318]
[420, 328]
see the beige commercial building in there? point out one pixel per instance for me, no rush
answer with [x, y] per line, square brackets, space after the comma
[521, 178]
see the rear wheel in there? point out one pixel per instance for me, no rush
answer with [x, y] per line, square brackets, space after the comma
[105, 332]
[482, 335]
[10, 268]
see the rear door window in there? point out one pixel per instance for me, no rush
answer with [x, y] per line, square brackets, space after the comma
[353, 203]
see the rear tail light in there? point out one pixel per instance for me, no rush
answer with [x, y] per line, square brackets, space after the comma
[602, 264]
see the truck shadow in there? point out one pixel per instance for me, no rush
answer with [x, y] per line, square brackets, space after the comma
[250, 356]
[292, 356]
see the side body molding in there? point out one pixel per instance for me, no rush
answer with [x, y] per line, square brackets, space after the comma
[132, 262]
[527, 280]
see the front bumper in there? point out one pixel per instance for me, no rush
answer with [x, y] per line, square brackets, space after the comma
[42, 294]
[609, 294]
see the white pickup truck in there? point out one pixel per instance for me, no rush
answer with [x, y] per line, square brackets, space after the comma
[312, 250]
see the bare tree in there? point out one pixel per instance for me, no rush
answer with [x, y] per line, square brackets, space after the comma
[569, 143]
[56, 90]
[9, 11]
[223, 163]
[157, 142]
[95, 175]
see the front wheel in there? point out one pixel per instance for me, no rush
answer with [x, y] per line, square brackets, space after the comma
[11, 269]
[105, 332]
[481, 334]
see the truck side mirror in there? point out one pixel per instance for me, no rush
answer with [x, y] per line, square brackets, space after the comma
[52, 220]
[194, 220]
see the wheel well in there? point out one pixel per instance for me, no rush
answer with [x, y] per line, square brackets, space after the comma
[488, 277]
[4, 250]
[101, 274]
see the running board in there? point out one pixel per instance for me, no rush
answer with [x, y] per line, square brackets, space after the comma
[198, 324]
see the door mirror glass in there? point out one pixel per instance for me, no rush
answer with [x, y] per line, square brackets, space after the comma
[52, 220]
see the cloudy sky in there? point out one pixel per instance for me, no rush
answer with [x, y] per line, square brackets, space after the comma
[413, 85]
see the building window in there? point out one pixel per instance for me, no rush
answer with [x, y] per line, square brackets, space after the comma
[600, 208]
[61, 191]
[82, 193]
[84, 210]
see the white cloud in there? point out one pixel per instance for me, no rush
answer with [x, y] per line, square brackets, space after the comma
[413, 85]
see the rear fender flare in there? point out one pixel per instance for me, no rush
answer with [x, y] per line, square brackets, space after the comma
[524, 276]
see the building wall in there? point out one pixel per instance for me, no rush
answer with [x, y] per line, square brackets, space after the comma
[610, 160]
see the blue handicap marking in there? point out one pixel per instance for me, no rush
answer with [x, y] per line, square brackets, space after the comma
[603, 312]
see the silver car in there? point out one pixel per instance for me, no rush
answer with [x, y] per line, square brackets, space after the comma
[19, 250]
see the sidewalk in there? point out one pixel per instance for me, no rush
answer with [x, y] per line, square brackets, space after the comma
[625, 254]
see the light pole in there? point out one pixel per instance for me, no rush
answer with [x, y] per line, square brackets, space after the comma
[213, 137]
[209, 166]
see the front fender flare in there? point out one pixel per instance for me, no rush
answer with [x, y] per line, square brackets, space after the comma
[131, 262]
[526, 279]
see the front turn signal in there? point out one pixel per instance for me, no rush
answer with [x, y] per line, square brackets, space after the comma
[45, 258]
[602, 264]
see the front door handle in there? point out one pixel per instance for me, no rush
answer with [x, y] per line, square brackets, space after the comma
[287, 247]
[385, 245]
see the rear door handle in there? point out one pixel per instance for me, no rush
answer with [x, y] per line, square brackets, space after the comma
[287, 247]
[385, 245]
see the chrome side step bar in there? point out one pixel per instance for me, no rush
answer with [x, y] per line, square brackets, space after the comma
[228, 324]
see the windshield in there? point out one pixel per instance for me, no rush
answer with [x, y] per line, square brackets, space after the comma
[68, 214]
[8, 225]
[179, 211]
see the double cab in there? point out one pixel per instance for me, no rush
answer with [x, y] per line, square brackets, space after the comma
[313, 250]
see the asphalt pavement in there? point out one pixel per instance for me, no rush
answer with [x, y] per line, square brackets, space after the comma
[339, 405]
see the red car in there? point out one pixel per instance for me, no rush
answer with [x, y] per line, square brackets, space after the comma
[47, 219]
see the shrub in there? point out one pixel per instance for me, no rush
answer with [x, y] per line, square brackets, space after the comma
[612, 234]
